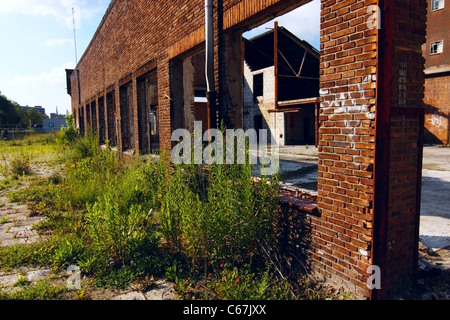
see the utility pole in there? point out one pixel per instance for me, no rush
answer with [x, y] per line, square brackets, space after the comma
[74, 36]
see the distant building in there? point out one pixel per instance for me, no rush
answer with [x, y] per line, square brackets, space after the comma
[54, 124]
[39, 109]
[281, 97]
[437, 73]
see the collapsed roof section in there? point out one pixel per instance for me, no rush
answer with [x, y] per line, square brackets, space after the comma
[298, 63]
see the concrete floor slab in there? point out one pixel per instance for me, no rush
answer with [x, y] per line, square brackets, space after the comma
[435, 202]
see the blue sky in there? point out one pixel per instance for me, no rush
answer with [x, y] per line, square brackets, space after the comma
[36, 44]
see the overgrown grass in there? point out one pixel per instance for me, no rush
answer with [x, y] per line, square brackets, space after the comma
[206, 228]
[42, 290]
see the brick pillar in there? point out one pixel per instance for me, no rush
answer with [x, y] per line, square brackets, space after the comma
[342, 236]
[369, 148]
[231, 94]
[164, 103]
[400, 129]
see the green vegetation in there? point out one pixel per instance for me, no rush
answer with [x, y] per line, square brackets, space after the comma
[212, 230]
[12, 114]
[42, 290]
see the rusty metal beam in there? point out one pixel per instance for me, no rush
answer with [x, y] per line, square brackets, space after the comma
[275, 61]
[382, 145]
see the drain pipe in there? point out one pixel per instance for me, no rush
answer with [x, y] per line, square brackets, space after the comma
[210, 81]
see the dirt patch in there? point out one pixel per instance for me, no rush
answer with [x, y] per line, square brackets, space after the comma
[433, 282]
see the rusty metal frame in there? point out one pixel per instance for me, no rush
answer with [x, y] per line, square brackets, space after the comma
[382, 145]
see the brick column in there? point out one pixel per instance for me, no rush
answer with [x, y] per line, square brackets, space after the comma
[369, 148]
[399, 144]
[164, 103]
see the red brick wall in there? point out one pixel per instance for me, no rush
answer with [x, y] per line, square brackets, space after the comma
[437, 109]
[342, 236]
[369, 137]
[437, 86]
[131, 35]
[438, 28]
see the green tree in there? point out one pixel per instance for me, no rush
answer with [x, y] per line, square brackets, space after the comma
[11, 113]
[8, 112]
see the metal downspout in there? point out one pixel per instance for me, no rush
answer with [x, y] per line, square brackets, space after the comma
[210, 80]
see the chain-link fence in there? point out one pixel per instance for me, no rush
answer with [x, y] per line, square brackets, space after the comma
[17, 133]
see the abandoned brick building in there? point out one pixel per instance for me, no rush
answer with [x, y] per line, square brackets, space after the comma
[281, 96]
[437, 73]
[143, 75]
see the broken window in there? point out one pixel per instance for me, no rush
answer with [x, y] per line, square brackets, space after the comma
[102, 119]
[94, 118]
[147, 94]
[81, 121]
[111, 112]
[127, 116]
[188, 91]
[258, 85]
[88, 117]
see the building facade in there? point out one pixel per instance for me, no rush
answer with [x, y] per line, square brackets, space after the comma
[141, 77]
[38, 109]
[437, 73]
[282, 98]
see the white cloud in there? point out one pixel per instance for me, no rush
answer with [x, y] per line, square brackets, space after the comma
[58, 42]
[58, 9]
[54, 77]
[47, 89]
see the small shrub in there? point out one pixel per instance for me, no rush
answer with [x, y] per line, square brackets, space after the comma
[86, 147]
[20, 165]
[22, 282]
[122, 243]
[68, 250]
[67, 135]
[216, 213]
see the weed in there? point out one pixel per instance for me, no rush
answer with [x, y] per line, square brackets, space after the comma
[42, 290]
[20, 165]
[39, 190]
[216, 213]
[67, 136]
[125, 220]
[4, 220]
[122, 242]
[22, 282]
[34, 255]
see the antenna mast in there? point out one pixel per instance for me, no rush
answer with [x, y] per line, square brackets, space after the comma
[74, 36]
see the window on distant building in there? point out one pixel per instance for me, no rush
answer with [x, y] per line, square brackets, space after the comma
[437, 47]
[437, 4]
[258, 85]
